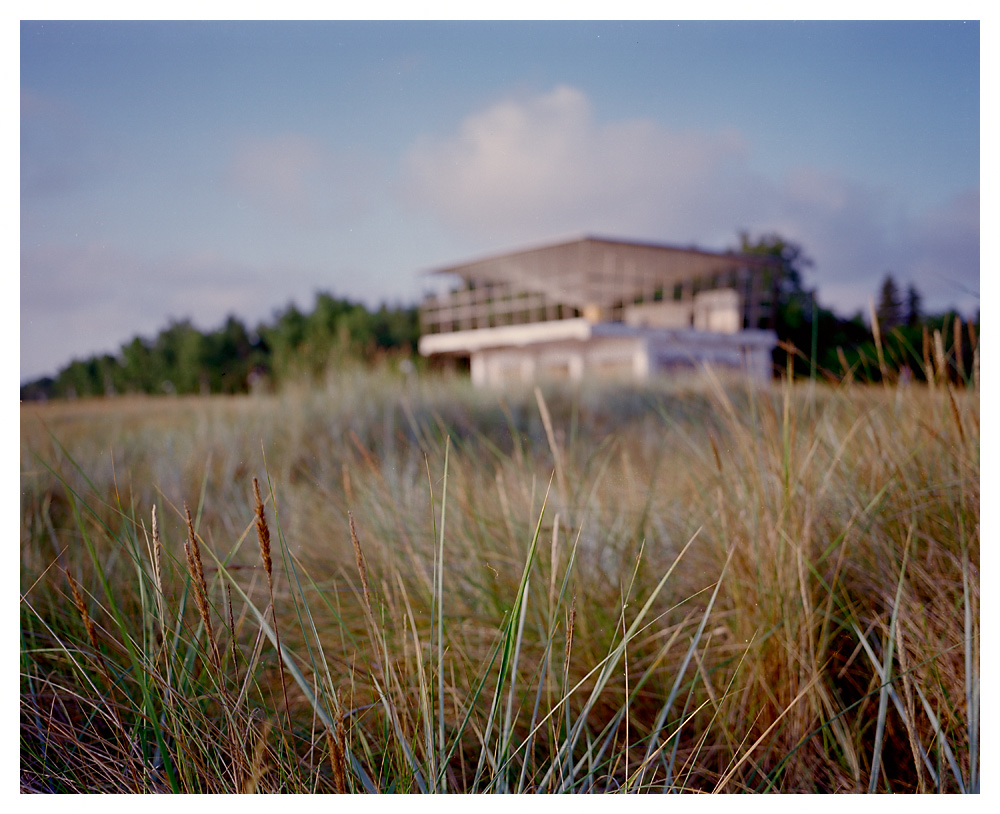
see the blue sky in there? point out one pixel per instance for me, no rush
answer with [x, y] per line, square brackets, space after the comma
[177, 170]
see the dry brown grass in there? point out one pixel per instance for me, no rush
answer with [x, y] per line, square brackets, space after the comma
[844, 524]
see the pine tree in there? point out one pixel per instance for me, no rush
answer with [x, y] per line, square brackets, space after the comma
[914, 303]
[890, 306]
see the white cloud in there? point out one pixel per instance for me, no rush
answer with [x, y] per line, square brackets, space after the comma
[533, 168]
[544, 165]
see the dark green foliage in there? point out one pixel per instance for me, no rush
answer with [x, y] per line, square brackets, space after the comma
[337, 332]
[890, 304]
[914, 303]
[819, 342]
[790, 258]
[182, 359]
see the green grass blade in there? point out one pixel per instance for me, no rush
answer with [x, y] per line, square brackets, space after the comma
[886, 672]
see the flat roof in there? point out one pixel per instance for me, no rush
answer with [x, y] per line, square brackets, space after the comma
[748, 259]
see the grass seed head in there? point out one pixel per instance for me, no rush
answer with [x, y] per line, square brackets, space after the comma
[336, 742]
[193, 553]
[263, 533]
[362, 569]
[157, 554]
[81, 606]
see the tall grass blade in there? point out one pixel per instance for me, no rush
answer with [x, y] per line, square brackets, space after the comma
[886, 672]
[510, 642]
[439, 603]
[668, 704]
[971, 678]
[606, 666]
[306, 688]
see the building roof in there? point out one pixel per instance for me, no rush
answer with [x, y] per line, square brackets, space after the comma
[592, 269]
[727, 257]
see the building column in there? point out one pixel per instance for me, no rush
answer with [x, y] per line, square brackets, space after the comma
[640, 361]
[527, 368]
[478, 370]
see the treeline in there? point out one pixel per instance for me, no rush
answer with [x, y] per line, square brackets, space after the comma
[900, 342]
[236, 359]
[822, 344]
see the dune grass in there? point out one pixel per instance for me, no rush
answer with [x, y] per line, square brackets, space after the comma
[378, 586]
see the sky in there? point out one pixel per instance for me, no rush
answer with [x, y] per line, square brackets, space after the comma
[193, 170]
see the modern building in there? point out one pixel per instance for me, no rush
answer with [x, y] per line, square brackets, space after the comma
[594, 307]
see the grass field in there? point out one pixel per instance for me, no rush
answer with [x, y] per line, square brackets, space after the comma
[693, 588]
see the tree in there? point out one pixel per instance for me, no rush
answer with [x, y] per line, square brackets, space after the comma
[396, 328]
[789, 257]
[182, 359]
[181, 349]
[914, 303]
[284, 338]
[230, 357]
[143, 367]
[890, 306]
[795, 308]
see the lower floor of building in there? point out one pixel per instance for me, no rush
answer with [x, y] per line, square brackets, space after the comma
[626, 354]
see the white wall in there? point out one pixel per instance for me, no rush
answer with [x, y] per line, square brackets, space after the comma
[625, 356]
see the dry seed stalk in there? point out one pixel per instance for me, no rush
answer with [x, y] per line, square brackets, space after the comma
[88, 623]
[336, 742]
[157, 554]
[715, 452]
[193, 554]
[362, 570]
[848, 375]
[955, 415]
[232, 632]
[569, 635]
[161, 602]
[940, 358]
[264, 541]
[263, 533]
